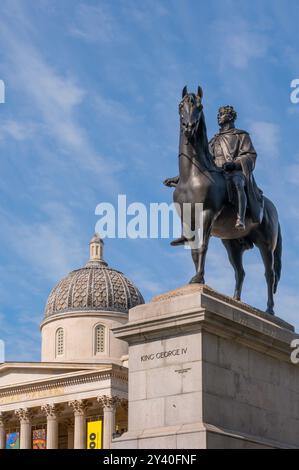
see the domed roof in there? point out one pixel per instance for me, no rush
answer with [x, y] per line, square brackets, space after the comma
[96, 287]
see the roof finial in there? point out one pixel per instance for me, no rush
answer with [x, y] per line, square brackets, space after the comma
[96, 248]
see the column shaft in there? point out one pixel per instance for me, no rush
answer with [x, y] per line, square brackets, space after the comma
[109, 404]
[52, 412]
[80, 431]
[25, 434]
[25, 415]
[52, 432]
[109, 426]
[79, 407]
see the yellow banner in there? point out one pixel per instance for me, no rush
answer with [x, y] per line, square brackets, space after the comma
[94, 434]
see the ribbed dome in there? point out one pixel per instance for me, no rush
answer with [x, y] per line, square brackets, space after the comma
[96, 286]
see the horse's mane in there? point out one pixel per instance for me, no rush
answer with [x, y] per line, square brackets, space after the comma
[205, 156]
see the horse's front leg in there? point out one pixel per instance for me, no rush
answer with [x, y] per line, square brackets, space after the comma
[201, 251]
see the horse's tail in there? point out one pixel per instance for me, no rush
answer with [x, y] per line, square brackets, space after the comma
[277, 258]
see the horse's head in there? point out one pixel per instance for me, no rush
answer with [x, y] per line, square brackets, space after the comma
[190, 111]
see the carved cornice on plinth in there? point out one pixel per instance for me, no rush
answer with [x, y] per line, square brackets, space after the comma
[208, 291]
[79, 407]
[24, 415]
[109, 402]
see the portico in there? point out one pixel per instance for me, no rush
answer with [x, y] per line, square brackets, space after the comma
[63, 403]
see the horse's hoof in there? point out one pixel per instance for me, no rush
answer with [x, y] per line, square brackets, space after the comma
[197, 279]
[237, 297]
[270, 311]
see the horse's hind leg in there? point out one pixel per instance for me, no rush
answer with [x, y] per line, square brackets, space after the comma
[235, 255]
[268, 259]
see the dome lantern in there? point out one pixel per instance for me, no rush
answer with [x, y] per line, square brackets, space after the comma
[96, 248]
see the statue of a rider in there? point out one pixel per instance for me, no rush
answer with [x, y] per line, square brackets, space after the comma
[232, 150]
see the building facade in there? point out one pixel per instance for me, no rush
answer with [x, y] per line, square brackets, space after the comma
[76, 397]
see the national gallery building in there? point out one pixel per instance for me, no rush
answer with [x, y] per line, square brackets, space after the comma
[77, 396]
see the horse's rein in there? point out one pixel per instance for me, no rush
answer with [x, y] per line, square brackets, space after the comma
[192, 160]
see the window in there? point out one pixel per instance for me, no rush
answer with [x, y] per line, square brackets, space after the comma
[99, 339]
[59, 342]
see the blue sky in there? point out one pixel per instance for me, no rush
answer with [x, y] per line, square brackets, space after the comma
[92, 89]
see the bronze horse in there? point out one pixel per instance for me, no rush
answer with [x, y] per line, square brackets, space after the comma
[200, 181]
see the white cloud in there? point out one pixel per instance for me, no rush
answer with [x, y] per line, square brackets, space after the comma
[112, 109]
[17, 130]
[52, 247]
[22, 340]
[242, 48]
[293, 177]
[238, 43]
[266, 138]
[56, 99]
[94, 24]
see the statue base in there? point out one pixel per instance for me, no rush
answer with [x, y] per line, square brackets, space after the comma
[207, 372]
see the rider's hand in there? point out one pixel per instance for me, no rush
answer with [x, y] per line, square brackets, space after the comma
[170, 182]
[229, 166]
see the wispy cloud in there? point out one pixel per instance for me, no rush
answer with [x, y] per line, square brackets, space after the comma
[56, 98]
[51, 247]
[266, 137]
[17, 130]
[22, 340]
[292, 175]
[238, 42]
[94, 23]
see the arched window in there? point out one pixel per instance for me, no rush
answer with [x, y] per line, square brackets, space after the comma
[59, 342]
[99, 339]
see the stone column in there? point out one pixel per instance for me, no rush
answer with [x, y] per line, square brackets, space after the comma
[79, 408]
[24, 415]
[52, 412]
[2, 430]
[109, 405]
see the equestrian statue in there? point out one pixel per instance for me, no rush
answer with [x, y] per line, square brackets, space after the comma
[219, 175]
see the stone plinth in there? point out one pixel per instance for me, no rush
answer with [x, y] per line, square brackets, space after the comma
[206, 371]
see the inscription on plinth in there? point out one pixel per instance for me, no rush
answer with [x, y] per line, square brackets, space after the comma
[163, 354]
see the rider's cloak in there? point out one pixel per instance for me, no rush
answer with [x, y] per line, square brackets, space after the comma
[235, 145]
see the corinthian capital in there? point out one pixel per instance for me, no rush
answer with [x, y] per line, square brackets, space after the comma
[109, 402]
[79, 406]
[24, 414]
[51, 410]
